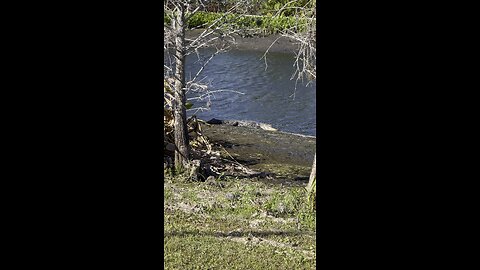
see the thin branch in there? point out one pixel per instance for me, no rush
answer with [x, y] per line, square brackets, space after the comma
[266, 52]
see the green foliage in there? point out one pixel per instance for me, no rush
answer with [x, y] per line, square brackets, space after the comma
[289, 8]
[201, 18]
[261, 7]
[277, 24]
[263, 24]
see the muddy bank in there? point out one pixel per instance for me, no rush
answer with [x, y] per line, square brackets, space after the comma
[287, 156]
[283, 44]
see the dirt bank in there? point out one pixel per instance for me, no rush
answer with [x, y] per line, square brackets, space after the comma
[283, 44]
[288, 156]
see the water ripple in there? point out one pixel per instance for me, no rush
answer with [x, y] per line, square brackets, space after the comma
[267, 95]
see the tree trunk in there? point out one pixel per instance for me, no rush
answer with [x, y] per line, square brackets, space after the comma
[180, 113]
[312, 183]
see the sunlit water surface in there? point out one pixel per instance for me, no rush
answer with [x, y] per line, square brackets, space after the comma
[269, 94]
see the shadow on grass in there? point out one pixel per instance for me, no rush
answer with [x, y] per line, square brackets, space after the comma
[237, 234]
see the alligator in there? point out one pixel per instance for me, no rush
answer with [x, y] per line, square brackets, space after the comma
[241, 123]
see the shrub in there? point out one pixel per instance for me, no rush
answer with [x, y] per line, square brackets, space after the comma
[265, 24]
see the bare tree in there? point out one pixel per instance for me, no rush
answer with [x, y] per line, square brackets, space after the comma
[217, 34]
[304, 34]
[306, 68]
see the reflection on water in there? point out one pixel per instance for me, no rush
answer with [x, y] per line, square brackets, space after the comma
[269, 94]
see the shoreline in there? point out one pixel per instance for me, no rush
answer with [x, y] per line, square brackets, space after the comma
[288, 156]
[259, 43]
[253, 124]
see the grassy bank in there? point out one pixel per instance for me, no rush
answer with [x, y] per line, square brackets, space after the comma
[237, 224]
[263, 24]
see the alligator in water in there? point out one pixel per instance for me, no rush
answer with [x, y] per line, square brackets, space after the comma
[241, 123]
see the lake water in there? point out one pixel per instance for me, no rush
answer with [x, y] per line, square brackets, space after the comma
[269, 94]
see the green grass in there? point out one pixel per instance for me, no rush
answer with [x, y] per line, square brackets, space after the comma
[210, 252]
[238, 224]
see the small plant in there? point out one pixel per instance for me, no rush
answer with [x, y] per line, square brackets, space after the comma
[312, 195]
[307, 218]
[167, 194]
[284, 203]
